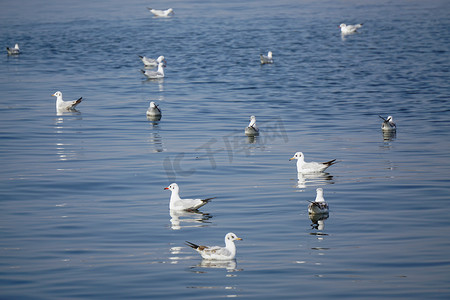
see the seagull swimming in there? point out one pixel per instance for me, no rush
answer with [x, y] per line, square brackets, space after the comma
[319, 206]
[176, 203]
[266, 59]
[251, 129]
[13, 51]
[153, 110]
[151, 62]
[218, 253]
[155, 74]
[388, 124]
[65, 105]
[348, 29]
[161, 13]
[310, 167]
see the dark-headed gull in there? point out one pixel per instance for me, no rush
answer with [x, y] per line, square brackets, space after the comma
[153, 110]
[310, 167]
[155, 74]
[13, 51]
[319, 206]
[347, 29]
[216, 252]
[251, 129]
[388, 124]
[161, 13]
[151, 62]
[266, 59]
[62, 106]
[176, 203]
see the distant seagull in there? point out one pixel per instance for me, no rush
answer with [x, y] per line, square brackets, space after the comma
[388, 124]
[216, 252]
[155, 74]
[176, 203]
[151, 62]
[251, 129]
[266, 59]
[161, 13]
[348, 29]
[310, 167]
[153, 110]
[62, 106]
[13, 51]
[319, 206]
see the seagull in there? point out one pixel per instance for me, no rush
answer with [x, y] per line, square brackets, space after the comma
[176, 203]
[388, 124]
[319, 206]
[347, 29]
[65, 105]
[310, 167]
[153, 110]
[266, 59]
[155, 74]
[161, 13]
[218, 253]
[252, 130]
[151, 62]
[13, 51]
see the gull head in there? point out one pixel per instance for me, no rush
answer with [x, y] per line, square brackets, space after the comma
[232, 237]
[57, 94]
[172, 187]
[297, 155]
[269, 55]
[152, 104]
[161, 59]
[342, 25]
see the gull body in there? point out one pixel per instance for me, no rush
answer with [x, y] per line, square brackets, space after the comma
[266, 59]
[319, 206]
[13, 51]
[216, 252]
[348, 29]
[160, 12]
[62, 105]
[388, 124]
[151, 62]
[251, 129]
[310, 167]
[176, 203]
[153, 110]
[155, 74]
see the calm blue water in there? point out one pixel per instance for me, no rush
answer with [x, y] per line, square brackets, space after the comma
[83, 213]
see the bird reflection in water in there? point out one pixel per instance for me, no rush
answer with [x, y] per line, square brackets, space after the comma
[66, 150]
[305, 180]
[190, 218]
[229, 265]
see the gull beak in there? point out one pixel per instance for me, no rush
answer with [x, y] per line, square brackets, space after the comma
[54, 95]
[291, 158]
[166, 188]
[238, 239]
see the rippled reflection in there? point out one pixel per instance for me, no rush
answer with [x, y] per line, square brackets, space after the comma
[229, 265]
[317, 221]
[188, 218]
[389, 135]
[65, 149]
[316, 179]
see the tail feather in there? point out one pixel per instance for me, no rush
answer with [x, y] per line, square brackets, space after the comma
[192, 245]
[331, 162]
[208, 199]
[141, 57]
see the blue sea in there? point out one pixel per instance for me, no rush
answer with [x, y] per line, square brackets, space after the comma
[83, 210]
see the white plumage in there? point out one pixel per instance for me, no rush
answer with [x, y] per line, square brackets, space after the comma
[388, 124]
[62, 105]
[216, 252]
[155, 74]
[13, 51]
[160, 12]
[151, 62]
[266, 59]
[348, 29]
[153, 110]
[251, 129]
[176, 203]
[319, 206]
[310, 167]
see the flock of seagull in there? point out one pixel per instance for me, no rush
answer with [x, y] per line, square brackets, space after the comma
[317, 207]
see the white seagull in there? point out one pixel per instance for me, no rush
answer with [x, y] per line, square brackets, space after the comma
[62, 106]
[319, 206]
[388, 124]
[151, 62]
[348, 29]
[13, 51]
[310, 167]
[251, 129]
[155, 74]
[176, 203]
[218, 253]
[153, 110]
[266, 59]
[161, 13]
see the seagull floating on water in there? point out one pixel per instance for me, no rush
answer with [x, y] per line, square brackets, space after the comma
[155, 74]
[266, 59]
[62, 106]
[13, 51]
[348, 29]
[388, 124]
[161, 13]
[319, 206]
[151, 62]
[251, 129]
[216, 252]
[153, 110]
[310, 167]
[176, 203]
